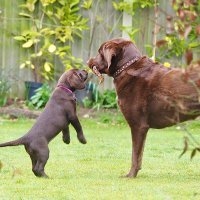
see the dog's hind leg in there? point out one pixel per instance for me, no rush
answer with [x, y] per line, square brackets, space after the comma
[32, 156]
[66, 135]
[39, 167]
[41, 155]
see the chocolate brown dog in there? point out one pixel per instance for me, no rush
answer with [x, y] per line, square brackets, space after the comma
[58, 113]
[149, 94]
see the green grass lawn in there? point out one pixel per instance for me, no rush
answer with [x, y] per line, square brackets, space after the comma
[93, 171]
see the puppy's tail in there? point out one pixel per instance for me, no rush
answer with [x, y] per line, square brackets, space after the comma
[20, 141]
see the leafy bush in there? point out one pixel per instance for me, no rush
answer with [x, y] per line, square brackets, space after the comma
[41, 97]
[4, 89]
[182, 31]
[52, 25]
[107, 99]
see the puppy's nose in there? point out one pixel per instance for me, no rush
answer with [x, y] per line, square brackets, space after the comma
[84, 74]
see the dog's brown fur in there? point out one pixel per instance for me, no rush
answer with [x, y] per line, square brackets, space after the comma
[58, 113]
[149, 94]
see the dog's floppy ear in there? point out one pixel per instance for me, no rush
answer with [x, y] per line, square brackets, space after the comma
[75, 81]
[108, 53]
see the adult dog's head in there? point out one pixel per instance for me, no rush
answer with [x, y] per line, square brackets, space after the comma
[74, 79]
[113, 55]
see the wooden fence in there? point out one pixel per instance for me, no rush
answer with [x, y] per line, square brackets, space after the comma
[106, 27]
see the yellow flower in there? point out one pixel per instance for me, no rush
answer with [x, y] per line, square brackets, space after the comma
[52, 48]
[22, 65]
[32, 66]
[47, 66]
[166, 64]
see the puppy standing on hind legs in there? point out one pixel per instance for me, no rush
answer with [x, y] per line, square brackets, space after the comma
[58, 113]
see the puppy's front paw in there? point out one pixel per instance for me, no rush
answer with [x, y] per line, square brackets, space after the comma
[66, 139]
[82, 139]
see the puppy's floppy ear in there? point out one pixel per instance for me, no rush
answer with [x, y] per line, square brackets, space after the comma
[108, 53]
[75, 81]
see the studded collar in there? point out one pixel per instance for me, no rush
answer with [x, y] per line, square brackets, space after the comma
[119, 71]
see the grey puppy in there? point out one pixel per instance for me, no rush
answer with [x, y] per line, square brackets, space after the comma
[58, 113]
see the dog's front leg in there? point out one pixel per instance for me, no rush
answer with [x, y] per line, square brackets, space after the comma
[66, 135]
[138, 140]
[76, 124]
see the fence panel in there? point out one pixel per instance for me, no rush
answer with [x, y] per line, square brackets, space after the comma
[104, 23]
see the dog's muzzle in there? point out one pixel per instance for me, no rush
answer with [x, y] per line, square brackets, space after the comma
[82, 74]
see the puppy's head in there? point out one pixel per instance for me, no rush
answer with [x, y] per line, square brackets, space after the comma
[74, 78]
[112, 55]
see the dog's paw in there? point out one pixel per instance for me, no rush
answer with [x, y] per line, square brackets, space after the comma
[66, 140]
[132, 173]
[82, 139]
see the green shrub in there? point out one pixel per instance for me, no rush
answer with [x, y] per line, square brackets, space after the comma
[4, 89]
[53, 24]
[41, 97]
[107, 100]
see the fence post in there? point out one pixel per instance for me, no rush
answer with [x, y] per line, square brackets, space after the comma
[126, 21]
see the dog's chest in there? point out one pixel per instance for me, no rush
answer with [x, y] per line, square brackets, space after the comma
[123, 105]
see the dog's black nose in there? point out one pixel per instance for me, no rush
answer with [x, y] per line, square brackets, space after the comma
[83, 74]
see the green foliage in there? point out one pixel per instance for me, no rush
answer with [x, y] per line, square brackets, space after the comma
[107, 100]
[130, 31]
[183, 37]
[190, 141]
[123, 6]
[174, 47]
[131, 7]
[41, 97]
[4, 89]
[87, 4]
[51, 29]
[183, 31]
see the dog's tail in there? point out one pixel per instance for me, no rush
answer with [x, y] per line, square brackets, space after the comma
[20, 141]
